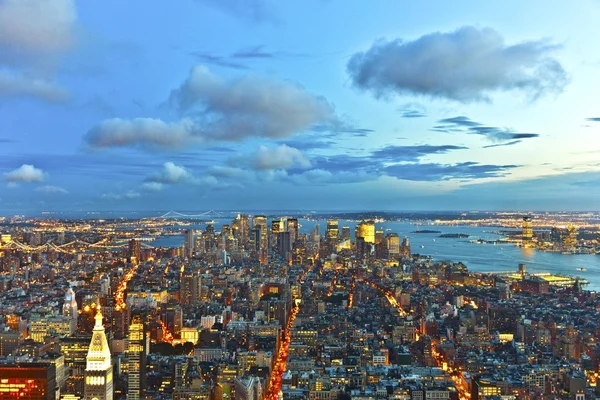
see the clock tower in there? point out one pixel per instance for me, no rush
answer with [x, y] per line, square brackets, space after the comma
[98, 371]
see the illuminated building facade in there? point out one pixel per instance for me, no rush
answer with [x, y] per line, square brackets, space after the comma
[332, 233]
[32, 381]
[136, 358]
[56, 326]
[405, 248]
[366, 230]
[292, 228]
[75, 350]
[188, 243]
[392, 244]
[527, 233]
[98, 371]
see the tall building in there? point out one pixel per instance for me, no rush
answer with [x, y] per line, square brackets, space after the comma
[98, 371]
[332, 233]
[366, 230]
[70, 307]
[136, 358]
[190, 288]
[405, 248]
[260, 222]
[345, 233]
[393, 244]
[188, 243]
[292, 228]
[275, 227]
[527, 235]
[284, 245]
[135, 251]
[31, 381]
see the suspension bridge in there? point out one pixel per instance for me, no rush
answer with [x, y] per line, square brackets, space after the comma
[73, 246]
[206, 214]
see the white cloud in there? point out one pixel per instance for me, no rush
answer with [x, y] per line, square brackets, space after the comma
[25, 173]
[172, 173]
[465, 65]
[129, 195]
[218, 110]
[152, 186]
[281, 157]
[49, 189]
[16, 84]
[142, 132]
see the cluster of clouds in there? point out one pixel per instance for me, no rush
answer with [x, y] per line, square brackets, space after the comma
[212, 109]
[34, 35]
[28, 173]
[500, 136]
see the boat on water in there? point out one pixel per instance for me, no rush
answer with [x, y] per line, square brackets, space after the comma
[581, 269]
[422, 246]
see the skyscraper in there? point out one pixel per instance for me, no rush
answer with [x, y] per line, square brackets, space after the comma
[527, 235]
[136, 358]
[188, 244]
[366, 230]
[70, 307]
[135, 251]
[98, 371]
[405, 248]
[332, 233]
[292, 228]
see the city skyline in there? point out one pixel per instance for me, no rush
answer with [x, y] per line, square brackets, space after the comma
[314, 105]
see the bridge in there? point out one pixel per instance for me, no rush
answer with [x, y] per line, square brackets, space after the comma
[73, 246]
[206, 214]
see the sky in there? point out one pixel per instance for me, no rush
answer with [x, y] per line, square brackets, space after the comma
[149, 105]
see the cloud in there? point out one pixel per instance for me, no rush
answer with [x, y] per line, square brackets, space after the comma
[16, 84]
[463, 124]
[511, 143]
[48, 189]
[141, 132]
[443, 172]
[152, 186]
[33, 36]
[253, 53]
[466, 65]
[219, 61]
[214, 110]
[129, 195]
[25, 173]
[413, 114]
[594, 119]
[251, 106]
[280, 157]
[250, 10]
[172, 173]
[413, 153]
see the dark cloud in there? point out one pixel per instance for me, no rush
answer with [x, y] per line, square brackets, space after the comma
[594, 119]
[465, 65]
[309, 143]
[443, 172]
[502, 144]
[412, 114]
[463, 124]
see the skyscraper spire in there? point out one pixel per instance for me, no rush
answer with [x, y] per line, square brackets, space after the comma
[98, 371]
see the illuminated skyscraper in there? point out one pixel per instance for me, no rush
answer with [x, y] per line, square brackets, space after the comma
[135, 251]
[527, 235]
[136, 358]
[292, 228]
[275, 227]
[366, 230]
[405, 248]
[69, 309]
[570, 240]
[98, 371]
[32, 381]
[393, 244]
[332, 233]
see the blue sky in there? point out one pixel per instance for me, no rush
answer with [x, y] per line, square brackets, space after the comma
[314, 104]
